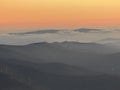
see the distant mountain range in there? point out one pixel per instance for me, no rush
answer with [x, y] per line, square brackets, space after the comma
[62, 66]
[87, 55]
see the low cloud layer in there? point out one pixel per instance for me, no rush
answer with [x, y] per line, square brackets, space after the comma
[89, 30]
[54, 31]
[79, 35]
[36, 32]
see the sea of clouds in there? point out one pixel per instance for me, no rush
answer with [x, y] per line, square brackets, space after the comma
[54, 35]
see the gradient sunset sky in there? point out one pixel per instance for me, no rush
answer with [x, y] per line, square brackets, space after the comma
[36, 14]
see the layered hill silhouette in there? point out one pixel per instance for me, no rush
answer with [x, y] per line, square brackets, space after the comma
[60, 66]
[89, 55]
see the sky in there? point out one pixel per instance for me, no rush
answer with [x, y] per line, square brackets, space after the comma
[38, 14]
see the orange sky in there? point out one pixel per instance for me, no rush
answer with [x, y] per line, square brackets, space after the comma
[30, 14]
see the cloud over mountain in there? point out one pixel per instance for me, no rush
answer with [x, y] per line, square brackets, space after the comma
[54, 31]
[90, 30]
[58, 35]
[36, 32]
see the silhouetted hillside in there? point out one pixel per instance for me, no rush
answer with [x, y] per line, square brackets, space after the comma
[39, 80]
[88, 55]
[59, 66]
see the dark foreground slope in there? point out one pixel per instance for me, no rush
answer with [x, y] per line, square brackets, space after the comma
[36, 78]
[7, 83]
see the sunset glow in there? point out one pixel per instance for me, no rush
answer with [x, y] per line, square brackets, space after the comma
[59, 13]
